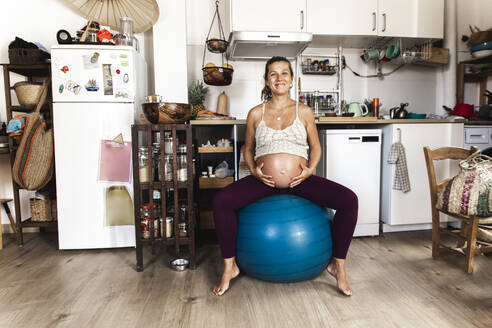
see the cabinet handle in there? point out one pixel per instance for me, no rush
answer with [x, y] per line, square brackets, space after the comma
[384, 23]
[302, 19]
[374, 21]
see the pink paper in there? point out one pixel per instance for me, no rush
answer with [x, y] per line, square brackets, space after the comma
[115, 164]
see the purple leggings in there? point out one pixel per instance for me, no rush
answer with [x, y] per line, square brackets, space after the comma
[319, 190]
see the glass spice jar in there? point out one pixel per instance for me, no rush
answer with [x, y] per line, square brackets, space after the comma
[182, 168]
[145, 221]
[156, 161]
[183, 229]
[169, 227]
[168, 167]
[143, 164]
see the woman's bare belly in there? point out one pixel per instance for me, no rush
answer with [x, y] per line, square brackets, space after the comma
[282, 167]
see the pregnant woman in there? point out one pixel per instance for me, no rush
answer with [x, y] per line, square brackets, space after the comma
[279, 133]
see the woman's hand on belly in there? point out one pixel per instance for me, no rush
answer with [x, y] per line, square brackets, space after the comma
[281, 167]
[306, 173]
[266, 179]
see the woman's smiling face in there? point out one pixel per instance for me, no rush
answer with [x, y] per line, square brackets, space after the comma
[279, 77]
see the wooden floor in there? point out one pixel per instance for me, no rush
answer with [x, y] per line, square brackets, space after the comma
[395, 283]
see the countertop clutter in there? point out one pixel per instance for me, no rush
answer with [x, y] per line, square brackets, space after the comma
[343, 120]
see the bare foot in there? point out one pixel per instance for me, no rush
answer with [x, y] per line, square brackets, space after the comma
[337, 269]
[231, 271]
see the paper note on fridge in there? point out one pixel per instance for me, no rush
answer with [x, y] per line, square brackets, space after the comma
[115, 161]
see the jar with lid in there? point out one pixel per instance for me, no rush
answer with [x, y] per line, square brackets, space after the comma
[168, 144]
[168, 167]
[145, 221]
[182, 167]
[181, 149]
[169, 227]
[143, 164]
[183, 229]
[156, 161]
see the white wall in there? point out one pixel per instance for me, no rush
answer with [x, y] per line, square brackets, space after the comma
[32, 20]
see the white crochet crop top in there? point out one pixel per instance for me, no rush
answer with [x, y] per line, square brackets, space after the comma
[291, 140]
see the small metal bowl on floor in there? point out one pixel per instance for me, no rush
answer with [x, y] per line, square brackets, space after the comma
[179, 264]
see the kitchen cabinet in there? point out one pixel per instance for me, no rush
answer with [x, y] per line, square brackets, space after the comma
[389, 18]
[413, 208]
[271, 16]
[414, 18]
[349, 17]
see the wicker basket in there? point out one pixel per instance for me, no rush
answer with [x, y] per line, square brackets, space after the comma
[27, 56]
[40, 210]
[54, 211]
[28, 93]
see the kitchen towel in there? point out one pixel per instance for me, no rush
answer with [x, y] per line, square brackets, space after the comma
[397, 156]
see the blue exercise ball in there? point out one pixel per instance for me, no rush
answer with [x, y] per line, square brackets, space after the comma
[283, 238]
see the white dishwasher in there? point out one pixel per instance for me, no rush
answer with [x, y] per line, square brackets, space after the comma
[353, 159]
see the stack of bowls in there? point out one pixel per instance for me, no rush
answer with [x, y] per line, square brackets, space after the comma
[481, 50]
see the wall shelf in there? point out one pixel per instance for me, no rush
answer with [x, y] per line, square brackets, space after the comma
[214, 150]
[479, 77]
[214, 183]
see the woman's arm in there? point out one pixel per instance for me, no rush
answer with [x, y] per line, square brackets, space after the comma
[313, 138]
[254, 116]
[307, 118]
[249, 145]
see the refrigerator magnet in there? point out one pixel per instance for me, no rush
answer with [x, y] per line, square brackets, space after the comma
[123, 56]
[95, 57]
[91, 85]
[60, 88]
[73, 87]
[64, 69]
[125, 78]
[124, 63]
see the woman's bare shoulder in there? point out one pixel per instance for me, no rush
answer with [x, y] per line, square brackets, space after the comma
[255, 113]
[305, 112]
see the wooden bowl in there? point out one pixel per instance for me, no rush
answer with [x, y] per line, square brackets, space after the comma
[163, 112]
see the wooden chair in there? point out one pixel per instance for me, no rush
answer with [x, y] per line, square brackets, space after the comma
[468, 244]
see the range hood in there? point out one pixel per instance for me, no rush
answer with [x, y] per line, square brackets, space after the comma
[264, 45]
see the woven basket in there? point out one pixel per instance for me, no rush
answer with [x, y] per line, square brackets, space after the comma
[54, 212]
[40, 210]
[28, 93]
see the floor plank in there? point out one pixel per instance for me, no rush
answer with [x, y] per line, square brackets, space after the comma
[396, 283]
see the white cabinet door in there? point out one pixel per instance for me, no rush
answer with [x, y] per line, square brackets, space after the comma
[397, 18]
[348, 17]
[430, 19]
[271, 15]
[413, 207]
[411, 18]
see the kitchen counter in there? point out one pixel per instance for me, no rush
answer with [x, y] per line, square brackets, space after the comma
[475, 123]
[338, 120]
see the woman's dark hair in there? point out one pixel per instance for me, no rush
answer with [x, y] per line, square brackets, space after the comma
[266, 93]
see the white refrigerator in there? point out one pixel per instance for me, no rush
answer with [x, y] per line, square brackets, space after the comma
[353, 158]
[97, 93]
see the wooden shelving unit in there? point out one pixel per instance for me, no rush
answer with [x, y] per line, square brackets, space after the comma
[480, 77]
[179, 132]
[30, 72]
[213, 150]
[214, 183]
